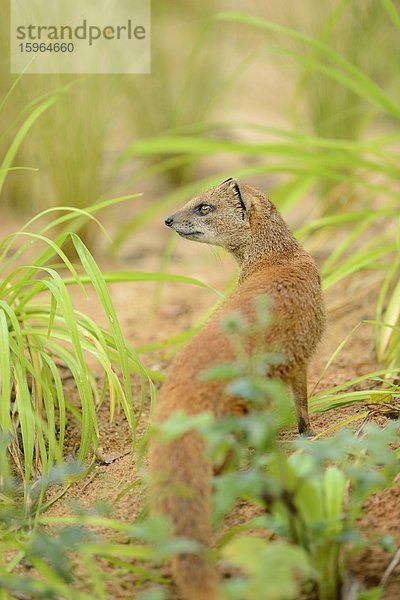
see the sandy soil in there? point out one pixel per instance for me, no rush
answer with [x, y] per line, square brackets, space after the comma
[115, 477]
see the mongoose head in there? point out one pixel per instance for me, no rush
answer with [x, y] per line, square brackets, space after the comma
[220, 216]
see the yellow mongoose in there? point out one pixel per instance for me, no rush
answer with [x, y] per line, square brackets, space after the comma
[242, 220]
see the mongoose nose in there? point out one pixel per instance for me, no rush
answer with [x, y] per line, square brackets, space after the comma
[169, 221]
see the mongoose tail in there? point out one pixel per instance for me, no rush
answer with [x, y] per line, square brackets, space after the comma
[184, 494]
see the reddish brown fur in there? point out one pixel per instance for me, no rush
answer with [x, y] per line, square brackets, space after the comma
[271, 262]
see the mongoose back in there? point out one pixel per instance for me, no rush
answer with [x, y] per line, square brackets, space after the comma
[242, 220]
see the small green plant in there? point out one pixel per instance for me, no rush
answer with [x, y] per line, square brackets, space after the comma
[39, 558]
[309, 494]
[312, 497]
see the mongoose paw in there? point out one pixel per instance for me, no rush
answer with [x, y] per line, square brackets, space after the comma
[305, 428]
[308, 433]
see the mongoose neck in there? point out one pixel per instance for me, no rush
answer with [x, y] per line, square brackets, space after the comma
[270, 242]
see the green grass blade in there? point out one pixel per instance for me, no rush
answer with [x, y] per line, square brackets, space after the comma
[18, 138]
[6, 376]
[100, 286]
[125, 276]
[362, 259]
[59, 398]
[392, 12]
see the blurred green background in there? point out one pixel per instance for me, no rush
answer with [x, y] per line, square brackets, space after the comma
[213, 80]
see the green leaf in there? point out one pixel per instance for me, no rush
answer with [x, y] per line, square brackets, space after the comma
[334, 491]
[221, 372]
[273, 570]
[180, 422]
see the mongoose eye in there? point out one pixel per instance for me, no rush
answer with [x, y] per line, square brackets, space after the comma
[204, 209]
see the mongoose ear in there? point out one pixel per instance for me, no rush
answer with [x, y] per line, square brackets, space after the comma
[240, 195]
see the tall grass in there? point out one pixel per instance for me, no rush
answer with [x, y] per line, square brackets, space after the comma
[41, 332]
[361, 33]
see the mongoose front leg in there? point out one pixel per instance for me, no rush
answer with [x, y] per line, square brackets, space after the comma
[299, 389]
